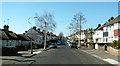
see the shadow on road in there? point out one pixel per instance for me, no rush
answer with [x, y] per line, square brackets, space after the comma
[20, 60]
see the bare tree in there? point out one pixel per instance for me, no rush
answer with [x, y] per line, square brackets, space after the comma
[60, 35]
[76, 22]
[46, 22]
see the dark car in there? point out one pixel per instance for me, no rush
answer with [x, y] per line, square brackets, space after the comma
[53, 45]
[58, 43]
[73, 45]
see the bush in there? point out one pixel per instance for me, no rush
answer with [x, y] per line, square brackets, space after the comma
[9, 51]
[116, 44]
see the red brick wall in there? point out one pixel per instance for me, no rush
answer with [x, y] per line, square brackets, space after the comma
[114, 51]
[101, 48]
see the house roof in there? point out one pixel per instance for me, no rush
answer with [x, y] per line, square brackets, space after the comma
[115, 20]
[96, 28]
[10, 34]
[23, 37]
[30, 38]
[3, 35]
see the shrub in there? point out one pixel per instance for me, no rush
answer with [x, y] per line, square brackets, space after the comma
[9, 51]
[116, 44]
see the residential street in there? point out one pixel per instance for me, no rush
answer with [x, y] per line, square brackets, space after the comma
[60, 32]
[62, 55]
[65, 55]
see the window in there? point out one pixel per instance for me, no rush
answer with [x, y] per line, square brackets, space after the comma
[106, 40]
[10, 43]
[110, 28]
[7, 43]
[106, 29]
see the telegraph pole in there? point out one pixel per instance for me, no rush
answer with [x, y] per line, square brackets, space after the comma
[79, 33]
[45, 35]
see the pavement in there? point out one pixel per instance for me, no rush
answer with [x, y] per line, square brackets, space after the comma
[20, 57]
[105, 56]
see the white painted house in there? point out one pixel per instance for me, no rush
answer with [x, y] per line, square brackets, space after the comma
[111, 31]
[98, 34]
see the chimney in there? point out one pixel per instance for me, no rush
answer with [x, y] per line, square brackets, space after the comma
[38, 29]
[25, 31]
[99, 25]
[6, 27]
[110, 19]
[89, 29]
[34, 27]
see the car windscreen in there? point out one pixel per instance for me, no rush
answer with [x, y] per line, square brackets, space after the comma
[53, 44]
[74, 43]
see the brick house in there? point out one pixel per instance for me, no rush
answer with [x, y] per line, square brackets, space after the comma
[9, 41]
[23, 42]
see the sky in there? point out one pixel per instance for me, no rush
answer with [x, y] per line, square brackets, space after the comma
[19, 12]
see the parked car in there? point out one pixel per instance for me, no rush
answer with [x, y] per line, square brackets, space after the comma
[58, 43]
[68, 41]
[73, 45]
[69, 44]
[53, 45]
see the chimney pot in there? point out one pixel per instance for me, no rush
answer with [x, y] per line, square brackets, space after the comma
[111, 18]
[34, 27]
[38, 29]
[99, 25]
[6, 27]
[25, 31]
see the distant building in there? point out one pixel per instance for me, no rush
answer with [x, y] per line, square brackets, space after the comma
[36, 35]
[98, 34]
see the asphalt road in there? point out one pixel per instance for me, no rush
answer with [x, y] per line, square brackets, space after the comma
[65, 55]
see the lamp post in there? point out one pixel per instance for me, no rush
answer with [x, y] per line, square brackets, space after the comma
[31, 33]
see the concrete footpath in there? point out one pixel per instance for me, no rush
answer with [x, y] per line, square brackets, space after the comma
[105, 56]
[20, 57]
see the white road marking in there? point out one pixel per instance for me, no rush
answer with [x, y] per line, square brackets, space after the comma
[110, 61]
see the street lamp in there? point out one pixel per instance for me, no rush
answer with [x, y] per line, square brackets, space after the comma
[31, 33]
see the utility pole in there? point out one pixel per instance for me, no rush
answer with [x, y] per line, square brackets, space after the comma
[79, 33]
[45, 35]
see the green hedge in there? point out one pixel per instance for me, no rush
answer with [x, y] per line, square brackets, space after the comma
[9, 51]
[22, 48]
[115, 44]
